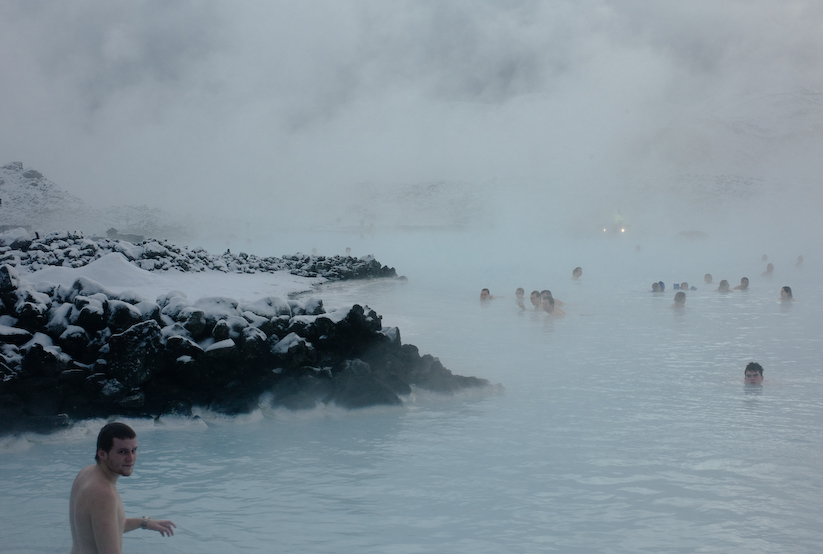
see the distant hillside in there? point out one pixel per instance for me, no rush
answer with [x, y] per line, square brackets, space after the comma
[29, 199]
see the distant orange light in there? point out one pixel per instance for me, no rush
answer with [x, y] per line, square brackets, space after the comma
[604, 230]
[622, 230]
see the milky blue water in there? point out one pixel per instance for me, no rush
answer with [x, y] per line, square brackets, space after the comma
[623, 427]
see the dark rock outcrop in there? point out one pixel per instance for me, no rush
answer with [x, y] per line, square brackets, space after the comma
[84, 351]
[19, 249]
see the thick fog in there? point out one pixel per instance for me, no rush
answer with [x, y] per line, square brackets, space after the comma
[693, 116]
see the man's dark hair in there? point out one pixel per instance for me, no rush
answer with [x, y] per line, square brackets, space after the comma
[788, 291]
[109, 432]
[537, 292]
[754, 366]
[680, 296]
[546, 293]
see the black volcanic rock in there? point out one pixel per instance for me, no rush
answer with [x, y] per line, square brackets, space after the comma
[73, 249]
[82, 352]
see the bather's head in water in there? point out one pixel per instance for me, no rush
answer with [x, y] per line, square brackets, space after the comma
[577, 273]
[769, 270]
[679, 300]
[485, 295]
[534, 298]
[545, 296]
[656, 287]
[753, 375]
[786, 294]
[744, 284]
[723, 286]
[550, 308]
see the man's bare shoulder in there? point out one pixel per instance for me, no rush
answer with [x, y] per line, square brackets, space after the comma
[90, 481]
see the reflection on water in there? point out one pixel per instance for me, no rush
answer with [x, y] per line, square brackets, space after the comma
[623, 427]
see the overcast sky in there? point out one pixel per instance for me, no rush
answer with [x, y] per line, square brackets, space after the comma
[265, 106]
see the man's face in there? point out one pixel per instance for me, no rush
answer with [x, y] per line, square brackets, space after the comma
[484, 294]
[519, 294]
[120, 459]
[753, 377]
[707, 278]
[535, 299]
[744, 282]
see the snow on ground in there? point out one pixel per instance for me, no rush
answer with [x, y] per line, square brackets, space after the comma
[114, 272]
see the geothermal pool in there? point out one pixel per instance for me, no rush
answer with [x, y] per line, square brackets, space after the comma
[623, 427]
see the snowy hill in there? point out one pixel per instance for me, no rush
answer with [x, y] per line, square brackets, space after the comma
[31, 200]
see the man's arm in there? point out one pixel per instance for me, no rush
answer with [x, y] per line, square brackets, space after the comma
[162, 526]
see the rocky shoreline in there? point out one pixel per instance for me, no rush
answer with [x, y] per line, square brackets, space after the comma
[72, 249]
[70, 353]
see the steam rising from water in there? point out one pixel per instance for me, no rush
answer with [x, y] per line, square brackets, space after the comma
[546, 116]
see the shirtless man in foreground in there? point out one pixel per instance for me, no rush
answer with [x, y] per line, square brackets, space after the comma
[96, 513]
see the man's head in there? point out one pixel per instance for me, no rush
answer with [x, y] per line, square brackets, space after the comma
[519, 293]
[680, 298]
[744, 282]
[655, 287]
[684, 285]
[117, 448]
[116, 430]
[708, 278]
[485, 294]
[535, 297]
[753, 374]
[786, 293]
[724, 285]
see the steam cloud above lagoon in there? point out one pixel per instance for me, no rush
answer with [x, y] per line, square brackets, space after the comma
[683, 116]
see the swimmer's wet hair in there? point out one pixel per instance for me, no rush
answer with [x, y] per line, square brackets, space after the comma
[754, 366]
[788, 291]
[111, 431]
[680, 295]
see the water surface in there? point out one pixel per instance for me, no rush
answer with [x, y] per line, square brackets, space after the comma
[623, 427]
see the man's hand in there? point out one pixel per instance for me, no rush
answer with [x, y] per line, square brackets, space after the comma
[162, 526]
